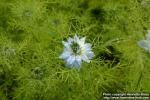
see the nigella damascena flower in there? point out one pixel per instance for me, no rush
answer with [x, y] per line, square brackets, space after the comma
[145, 44]
[76, 51]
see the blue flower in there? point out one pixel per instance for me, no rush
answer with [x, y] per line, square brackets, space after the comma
[145, 44]
[76, 51]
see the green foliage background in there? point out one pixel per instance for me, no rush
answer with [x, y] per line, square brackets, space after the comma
[31, 35]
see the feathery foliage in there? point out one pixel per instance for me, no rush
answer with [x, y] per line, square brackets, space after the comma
[31, 34]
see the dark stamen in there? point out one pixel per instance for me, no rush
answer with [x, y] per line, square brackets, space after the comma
[75, 47]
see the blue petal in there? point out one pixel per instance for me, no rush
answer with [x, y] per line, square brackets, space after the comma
[66, 44]
[82, 41]
[85, 58]
[70, 40]
[77, 62]
[76, 38]
[90, 54]
[145, 44]
[70, 61]
[68, 50]
[87, 46]
[148, 36]
[64, 55]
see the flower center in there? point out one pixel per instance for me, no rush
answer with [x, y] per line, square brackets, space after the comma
[75, 48]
